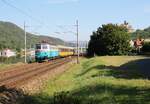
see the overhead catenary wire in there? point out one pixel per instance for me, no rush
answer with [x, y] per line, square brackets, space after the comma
[42, 24]
[22, 12]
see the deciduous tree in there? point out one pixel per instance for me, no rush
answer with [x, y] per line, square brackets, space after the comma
[110, 39]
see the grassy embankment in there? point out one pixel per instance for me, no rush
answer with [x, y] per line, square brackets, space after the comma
[7, 66]
[3, 66]
[100, 80]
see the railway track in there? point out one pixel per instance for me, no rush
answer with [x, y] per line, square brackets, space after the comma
[21, 74]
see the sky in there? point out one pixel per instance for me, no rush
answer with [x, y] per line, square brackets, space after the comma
[57, 18]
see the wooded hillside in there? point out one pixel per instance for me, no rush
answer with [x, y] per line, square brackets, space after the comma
[12, 36]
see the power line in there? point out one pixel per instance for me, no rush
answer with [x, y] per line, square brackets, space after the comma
[42, 24]
[22, 12]
[75, 33]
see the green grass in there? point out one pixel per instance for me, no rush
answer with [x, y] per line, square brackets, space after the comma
[101, 80]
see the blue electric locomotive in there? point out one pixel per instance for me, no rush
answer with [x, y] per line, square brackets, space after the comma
[45, 51]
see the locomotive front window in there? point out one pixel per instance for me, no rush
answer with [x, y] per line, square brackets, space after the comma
[44, 47]
[38, 46]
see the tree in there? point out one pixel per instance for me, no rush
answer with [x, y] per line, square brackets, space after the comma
[145, 33]
[110, 39]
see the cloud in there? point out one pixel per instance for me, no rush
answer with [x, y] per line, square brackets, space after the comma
[61, 1]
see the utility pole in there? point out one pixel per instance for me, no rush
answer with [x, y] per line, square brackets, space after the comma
[77, 41]
[77, 24]
[25, 43]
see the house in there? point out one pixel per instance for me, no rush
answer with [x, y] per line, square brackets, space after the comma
[128, 26]
[131, 43]
[7, 53]
[138, 43]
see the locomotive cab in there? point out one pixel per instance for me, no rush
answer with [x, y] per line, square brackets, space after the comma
[41, 52]
[45, 51]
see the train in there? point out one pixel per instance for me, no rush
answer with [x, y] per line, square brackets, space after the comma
[45, 51]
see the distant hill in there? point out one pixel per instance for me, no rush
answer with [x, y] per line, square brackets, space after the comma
[12, 36]
[145, 33]
[81, 43]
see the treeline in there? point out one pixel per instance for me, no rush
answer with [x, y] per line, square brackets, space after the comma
[145, 33]
[12, 36]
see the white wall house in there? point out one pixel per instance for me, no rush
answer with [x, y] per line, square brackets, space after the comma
[131, 43]
[7, 53]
